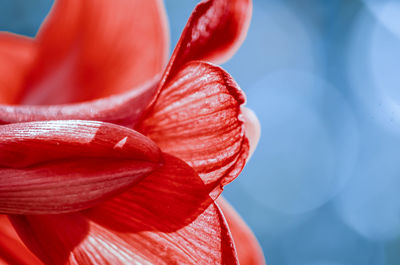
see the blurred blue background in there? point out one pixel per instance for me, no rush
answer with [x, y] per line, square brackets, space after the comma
[323, 76]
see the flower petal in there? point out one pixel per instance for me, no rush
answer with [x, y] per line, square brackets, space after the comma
[16, 56]
[252, 128]
[62, 166]
[12, 249]
[214, 32]
[166, 219]
[94, 48]
[197, 118]
[174, 186]
[31, 143]
[248, 249]
[124, 109]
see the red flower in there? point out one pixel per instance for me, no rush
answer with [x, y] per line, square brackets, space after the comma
[126, 168]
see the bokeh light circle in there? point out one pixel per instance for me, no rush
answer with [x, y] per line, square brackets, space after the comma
[308, 144]
[370, 203]
[269, 46]
[373, 67]
[387, 12]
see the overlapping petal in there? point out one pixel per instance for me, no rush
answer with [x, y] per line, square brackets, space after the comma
[94, 48]
[167, 218]
[124, 109]
[16, 57]
[12, 249]
[161, 211]
[197, 117]
[214, 31]
[248, 249]
[62, 166]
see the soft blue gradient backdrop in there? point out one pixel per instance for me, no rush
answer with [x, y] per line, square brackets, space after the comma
[324, 78]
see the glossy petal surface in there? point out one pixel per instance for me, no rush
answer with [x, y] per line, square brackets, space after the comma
[91, 49]
[167, 218]
[62, 166]
[197, 118]
[248, 249]
[16, 56]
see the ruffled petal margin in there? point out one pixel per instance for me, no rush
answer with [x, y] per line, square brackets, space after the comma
[94, 48]
[167, 218]
[197, 118]
[62, 166]
[247, 246]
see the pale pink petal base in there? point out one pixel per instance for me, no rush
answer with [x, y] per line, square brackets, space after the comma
[252, 129]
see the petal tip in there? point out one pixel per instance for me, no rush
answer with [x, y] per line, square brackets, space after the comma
[252, 128]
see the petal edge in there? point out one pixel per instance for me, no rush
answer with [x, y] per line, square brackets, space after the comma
[64, 166]
[197, 118]
[96, 48]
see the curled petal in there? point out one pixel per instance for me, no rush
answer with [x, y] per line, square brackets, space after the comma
[62, 166]
[165, 219]
[248, 249]
[124, 109]
[94, 48]
[12, 249]
[197, 118]
[67, 186]
[28, 144]
[16, 57]
[214, 31]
